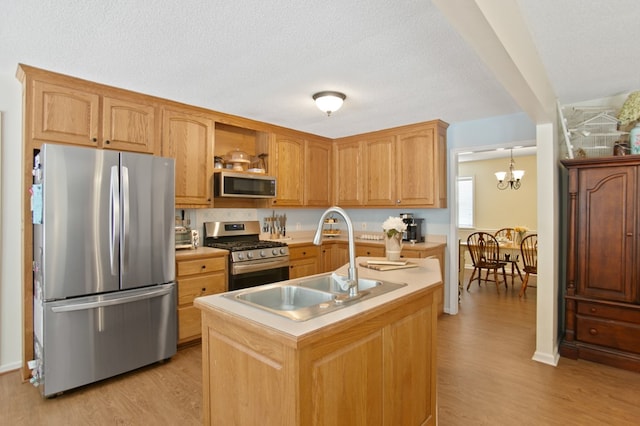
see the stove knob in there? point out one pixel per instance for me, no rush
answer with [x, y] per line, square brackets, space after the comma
[250, 255]
[262, 253]
[283, 251]
[274, 252]
[240, 256]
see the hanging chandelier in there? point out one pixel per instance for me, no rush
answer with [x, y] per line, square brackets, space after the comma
[514, 176]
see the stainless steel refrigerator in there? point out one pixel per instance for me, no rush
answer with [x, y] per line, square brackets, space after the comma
[104, 264]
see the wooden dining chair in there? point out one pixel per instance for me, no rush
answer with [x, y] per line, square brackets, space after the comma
[485, 254]
[509, 234]
[529, 252]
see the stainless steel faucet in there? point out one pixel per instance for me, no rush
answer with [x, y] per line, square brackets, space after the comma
[353, 268]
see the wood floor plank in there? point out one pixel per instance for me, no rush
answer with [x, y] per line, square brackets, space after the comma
[485, 377]
[167, 393]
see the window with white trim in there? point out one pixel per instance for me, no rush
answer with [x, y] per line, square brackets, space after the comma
[466, 217]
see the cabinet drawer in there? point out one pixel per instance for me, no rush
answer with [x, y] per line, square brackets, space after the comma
[304, 252]
[202, 285]
[189, 324]
[618, 313]
[198, 266]
[369, 250]
[614, 334]
[411, 254]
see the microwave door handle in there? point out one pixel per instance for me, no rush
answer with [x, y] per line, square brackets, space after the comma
[125, 219]
[114, 215]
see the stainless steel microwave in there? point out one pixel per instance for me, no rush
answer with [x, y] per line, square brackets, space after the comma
[243, 185]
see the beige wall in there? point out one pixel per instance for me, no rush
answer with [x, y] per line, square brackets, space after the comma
[495, 209]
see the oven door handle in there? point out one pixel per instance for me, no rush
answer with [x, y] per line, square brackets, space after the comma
[238, 269]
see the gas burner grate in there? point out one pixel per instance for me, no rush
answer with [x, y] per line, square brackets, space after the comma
[243, 245]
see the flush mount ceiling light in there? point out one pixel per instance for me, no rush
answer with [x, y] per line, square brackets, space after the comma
[329, 101]
[514, 176]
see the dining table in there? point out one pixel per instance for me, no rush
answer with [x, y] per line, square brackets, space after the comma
[509, 247]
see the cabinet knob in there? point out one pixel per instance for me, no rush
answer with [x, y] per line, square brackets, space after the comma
[94, 140]
[398, 201]
[107, 141]
[593, 310]
[204, 266]
[593, 331]
[204, 289]
[304, 253]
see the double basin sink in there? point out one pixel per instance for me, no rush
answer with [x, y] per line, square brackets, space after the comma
[306, 298]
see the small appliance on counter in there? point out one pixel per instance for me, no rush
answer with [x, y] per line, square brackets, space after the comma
[185, 238]
[413, 233]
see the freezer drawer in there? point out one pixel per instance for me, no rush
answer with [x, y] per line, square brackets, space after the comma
[92, 338]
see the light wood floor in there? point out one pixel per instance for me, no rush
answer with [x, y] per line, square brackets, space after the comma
[485, 377]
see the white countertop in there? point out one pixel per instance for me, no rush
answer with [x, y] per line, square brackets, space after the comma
[425, 275]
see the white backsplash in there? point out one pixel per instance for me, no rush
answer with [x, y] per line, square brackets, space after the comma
[365, 221]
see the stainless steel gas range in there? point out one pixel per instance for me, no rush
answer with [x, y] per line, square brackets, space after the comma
[252, 261]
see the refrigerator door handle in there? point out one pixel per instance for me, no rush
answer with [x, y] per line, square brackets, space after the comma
[114, 227]
[111, 302]
[125, 218]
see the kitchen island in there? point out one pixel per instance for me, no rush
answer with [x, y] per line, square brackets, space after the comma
[371, 362]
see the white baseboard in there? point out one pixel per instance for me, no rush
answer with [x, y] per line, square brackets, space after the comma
[10, 367]
[546, 358]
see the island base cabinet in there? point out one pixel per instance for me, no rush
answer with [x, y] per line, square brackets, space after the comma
[377, 368]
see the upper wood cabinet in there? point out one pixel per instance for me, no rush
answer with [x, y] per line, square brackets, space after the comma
[73, 115]
[348, 172]
[289, 170]
[187, 136]
[302, 167]
[421, 168]
[128, 125]
[400, 167]
[380, 171]
[318, 174]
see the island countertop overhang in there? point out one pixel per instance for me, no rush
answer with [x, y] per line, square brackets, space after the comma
[426, 275]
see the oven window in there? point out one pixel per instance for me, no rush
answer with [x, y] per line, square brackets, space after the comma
[252, 279]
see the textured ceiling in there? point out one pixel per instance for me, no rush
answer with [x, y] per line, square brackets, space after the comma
[398, 62]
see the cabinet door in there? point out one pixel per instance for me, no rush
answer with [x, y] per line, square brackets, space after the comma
[380, 171]
[606, 228]
[289, 158]
[304, 260]
[188, 137]
[327, 261]
[348, 187]
[417, 168]
[339, 255]
[128, 126]
[65, 115]
[317, 188]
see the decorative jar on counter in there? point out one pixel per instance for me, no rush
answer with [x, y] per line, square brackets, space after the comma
[393, 246]
[393, 228]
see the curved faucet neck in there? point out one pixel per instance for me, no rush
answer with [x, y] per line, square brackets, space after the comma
[317, 240]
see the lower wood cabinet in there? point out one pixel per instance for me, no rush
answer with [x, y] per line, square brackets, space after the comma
[198, 275]
[304, 260]
[375, 368]
[437, 251]
[369, 250]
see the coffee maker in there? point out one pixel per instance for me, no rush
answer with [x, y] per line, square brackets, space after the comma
[413, 233]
